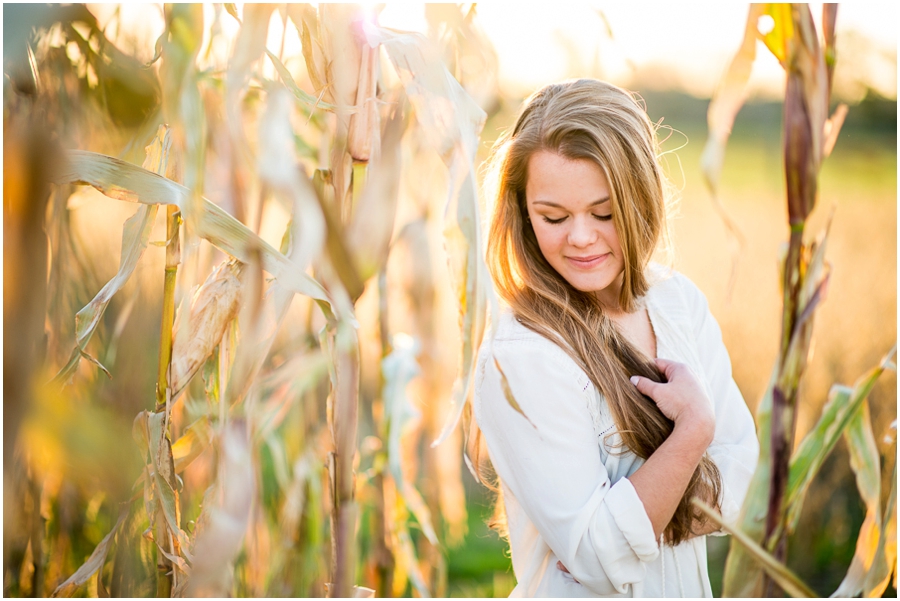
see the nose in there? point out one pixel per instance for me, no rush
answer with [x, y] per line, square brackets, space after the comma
[583, 233]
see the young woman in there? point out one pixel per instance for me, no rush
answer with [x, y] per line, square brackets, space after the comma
[629, 406]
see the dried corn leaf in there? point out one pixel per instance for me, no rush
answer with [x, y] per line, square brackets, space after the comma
[452, 123]
[279, 168]
[398, 369]
[93, 564]
[225, 516]
[866, 464]
[195, 439]
[164, 482]
[214, 306]
[124, 181]
[342, 48]
[296, 90]
[837, 414]
[307, 22]
[257, 337]
[135, 237]
[508, 393]
[248, 48]
[785, 578]
[723, 108]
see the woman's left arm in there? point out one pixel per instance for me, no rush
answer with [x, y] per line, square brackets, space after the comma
[735, 448]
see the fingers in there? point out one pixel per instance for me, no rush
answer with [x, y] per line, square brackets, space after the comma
[644, 385]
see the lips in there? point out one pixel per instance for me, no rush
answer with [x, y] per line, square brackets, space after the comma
[587, 262]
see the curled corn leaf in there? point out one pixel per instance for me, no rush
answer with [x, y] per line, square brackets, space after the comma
[214, 306]
[135, 237]
[124, 181]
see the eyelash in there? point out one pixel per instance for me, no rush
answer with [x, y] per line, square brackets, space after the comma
[558, 221]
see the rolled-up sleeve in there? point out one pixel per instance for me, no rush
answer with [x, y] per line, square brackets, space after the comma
[735, 448]
[551, 463]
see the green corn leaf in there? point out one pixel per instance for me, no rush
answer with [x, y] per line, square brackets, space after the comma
[838, 413]
[785, 578]
[743, 574]
[866, 464]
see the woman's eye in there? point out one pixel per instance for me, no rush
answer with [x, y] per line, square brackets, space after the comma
[603, 217]
[553, 221]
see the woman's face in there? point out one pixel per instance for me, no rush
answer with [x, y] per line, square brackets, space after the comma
[569, 204]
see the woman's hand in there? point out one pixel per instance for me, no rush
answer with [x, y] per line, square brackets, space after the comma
[681, 399]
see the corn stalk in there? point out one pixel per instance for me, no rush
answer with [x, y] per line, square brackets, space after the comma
[778, 487]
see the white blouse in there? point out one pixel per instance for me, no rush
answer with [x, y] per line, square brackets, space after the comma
[564, 478]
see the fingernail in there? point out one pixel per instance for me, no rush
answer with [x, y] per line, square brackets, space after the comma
[634, 380]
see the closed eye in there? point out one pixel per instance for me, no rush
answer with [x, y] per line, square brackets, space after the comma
[554, 221]
[603, 217]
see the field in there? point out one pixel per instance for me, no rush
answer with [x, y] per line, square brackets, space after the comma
[300, 453]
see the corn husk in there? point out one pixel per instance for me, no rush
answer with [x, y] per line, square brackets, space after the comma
[214, 306]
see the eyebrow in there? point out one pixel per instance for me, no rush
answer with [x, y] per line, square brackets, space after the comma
[550, 203]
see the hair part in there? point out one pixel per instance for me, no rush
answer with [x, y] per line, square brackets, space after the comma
[596, 121]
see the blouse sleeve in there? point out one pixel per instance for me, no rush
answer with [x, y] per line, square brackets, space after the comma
[735, 448]
[552, 466]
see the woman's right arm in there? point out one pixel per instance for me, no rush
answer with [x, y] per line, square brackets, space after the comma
[599, 530]
[661, 481]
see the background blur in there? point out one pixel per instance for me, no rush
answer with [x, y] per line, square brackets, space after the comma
[673, 55]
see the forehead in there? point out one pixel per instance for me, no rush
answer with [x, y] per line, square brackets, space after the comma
[563, 181]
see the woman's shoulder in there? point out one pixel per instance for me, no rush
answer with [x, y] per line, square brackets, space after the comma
[515, 342]
[669, 287]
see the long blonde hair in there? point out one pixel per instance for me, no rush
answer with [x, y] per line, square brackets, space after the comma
[593, 120]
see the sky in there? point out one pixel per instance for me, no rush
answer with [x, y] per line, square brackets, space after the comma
[685, 44]
[681, 45]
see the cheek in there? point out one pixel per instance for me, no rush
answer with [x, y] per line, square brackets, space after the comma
[548, 238]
